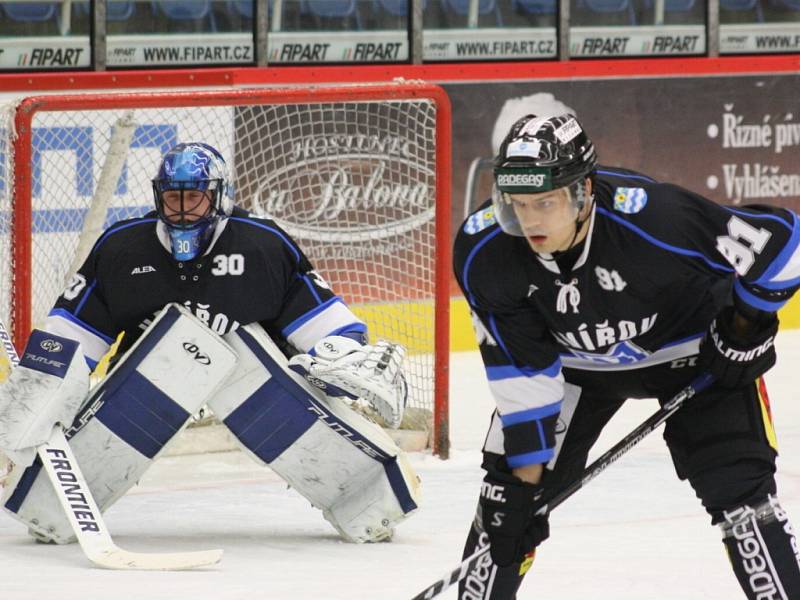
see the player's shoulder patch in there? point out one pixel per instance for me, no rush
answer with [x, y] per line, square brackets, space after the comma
[480, 220]
[630, 200]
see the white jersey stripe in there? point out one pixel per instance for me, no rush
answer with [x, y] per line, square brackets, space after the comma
[517, 394]
[333, 318]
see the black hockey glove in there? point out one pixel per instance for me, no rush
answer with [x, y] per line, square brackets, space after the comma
[507, 515]
[736, 359]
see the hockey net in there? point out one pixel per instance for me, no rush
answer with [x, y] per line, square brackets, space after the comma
[358, 175]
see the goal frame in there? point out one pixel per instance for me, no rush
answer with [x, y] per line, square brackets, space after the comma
[22, 179]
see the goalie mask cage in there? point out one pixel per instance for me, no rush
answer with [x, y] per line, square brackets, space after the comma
[358, 175]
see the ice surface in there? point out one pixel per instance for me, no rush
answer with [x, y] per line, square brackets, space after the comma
[635, 532]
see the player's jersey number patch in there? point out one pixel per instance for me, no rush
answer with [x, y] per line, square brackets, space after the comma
[741, 244]
[76, 284]
[228, 264]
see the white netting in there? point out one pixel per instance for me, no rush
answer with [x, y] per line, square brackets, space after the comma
[352, 182]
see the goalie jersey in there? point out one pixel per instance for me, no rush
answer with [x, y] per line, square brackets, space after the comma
[252, 272]
[657, 265]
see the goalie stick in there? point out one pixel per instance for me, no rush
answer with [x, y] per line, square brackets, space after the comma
[589, 473]
[84, 515]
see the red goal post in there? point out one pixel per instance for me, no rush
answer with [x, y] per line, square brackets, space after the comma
[358, 175]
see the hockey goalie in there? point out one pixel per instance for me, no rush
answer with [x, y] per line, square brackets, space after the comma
[221, 308]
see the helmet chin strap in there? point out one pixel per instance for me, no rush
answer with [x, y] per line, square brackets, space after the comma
[580, 222]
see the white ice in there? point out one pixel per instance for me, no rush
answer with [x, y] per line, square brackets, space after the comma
[635, 532]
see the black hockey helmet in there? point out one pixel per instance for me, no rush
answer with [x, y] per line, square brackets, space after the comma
[540, 154]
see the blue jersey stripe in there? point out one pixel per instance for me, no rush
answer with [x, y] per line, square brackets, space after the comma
[355, 331]
[86, 295]
[111, 232]
[271, 230]
[508, 371]
[312, 289]
[530, 458]
[784, 256]
[498, 338]
[754, 300]
[540, 430]
[626, 175]
[688, 338]
[471, 256]
[532, 414]
[781, 285]
[769, 217]
[669, 247]
[64, 314]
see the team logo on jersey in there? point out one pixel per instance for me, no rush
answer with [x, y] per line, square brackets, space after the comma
[605, 335]
[630, 200]
[480, 221]
[623, 353]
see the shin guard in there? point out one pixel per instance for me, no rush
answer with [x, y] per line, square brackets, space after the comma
[342, 463]
[129, 418]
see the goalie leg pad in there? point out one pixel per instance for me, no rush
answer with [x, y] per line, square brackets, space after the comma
[130, 417]
[342, 463]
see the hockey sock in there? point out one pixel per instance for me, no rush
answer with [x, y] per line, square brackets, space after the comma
[763, 551]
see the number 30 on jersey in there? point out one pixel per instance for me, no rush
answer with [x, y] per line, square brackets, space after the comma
[228, 264]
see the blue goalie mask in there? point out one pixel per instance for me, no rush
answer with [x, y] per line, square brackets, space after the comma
[191, 197]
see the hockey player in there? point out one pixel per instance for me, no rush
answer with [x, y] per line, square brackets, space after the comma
[590, 285]
[248, 281]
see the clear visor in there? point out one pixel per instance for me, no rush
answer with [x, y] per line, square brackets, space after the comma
[517, 214]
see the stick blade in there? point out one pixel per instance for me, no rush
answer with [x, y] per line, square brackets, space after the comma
[119, 559]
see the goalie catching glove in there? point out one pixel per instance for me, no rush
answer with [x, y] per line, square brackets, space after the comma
[342, 367]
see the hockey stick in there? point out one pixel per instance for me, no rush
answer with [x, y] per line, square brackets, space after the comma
[589, 473]
[85, 517]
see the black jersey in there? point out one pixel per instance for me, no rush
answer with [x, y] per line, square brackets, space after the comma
[656, 266]
[252, 272]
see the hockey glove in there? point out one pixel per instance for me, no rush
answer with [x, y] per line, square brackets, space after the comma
[736, 359]
[508, 519]
[340, 366]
